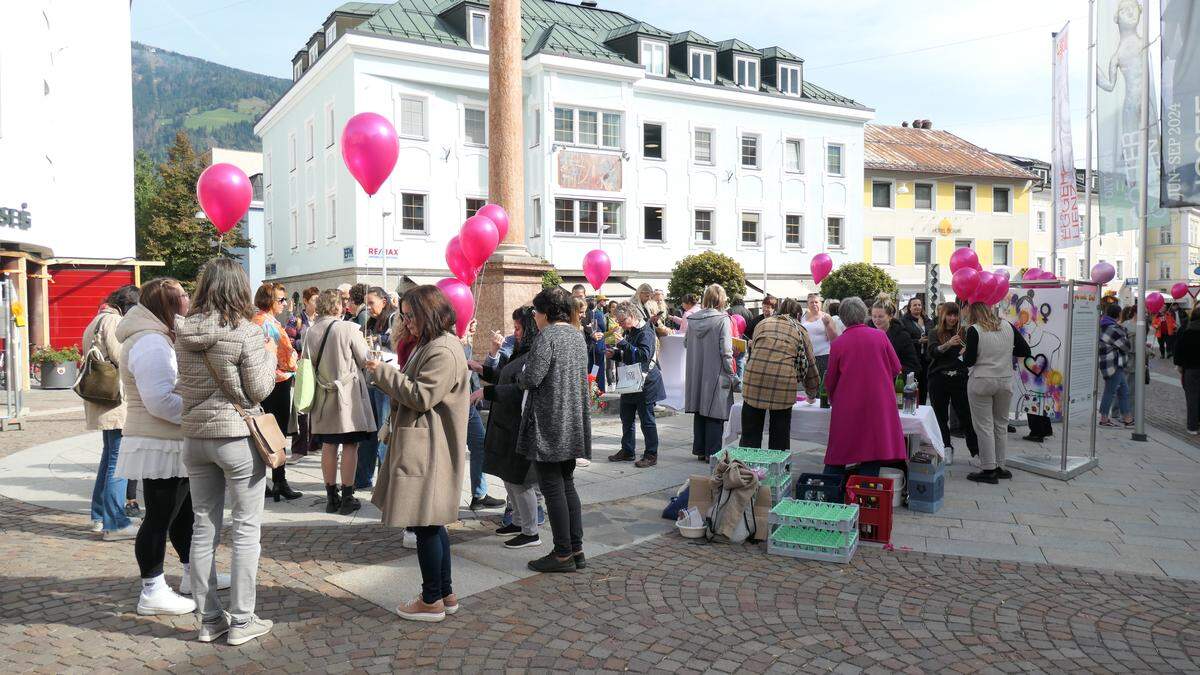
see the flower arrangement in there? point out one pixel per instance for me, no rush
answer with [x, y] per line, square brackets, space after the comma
[596, 402]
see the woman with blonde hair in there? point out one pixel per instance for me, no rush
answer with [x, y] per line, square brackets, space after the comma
[991, 346]
[948, 375]
[708, 386]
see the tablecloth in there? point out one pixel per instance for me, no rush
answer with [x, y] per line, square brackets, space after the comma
[810, 422]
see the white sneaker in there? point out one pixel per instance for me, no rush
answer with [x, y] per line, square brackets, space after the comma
[97, 526]
[409, 541]
[185, 585]
[128, 532]
[245, 632]
[163, 600]
[580, 461]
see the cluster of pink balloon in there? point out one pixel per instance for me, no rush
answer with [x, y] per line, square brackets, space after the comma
[1036, 274]
[971, 283]
[224, 193]
[465, 256]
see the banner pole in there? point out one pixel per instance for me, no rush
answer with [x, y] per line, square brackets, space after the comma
[1087, 171]
[1053, 125]
[1143, 172]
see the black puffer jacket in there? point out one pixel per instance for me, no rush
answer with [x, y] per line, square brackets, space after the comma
[906, 351]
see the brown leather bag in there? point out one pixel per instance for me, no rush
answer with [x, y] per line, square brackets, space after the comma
[265, 434]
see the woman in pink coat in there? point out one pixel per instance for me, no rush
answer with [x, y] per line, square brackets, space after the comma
[864, 425]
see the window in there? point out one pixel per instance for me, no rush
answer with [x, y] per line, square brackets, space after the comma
[749, 151]
[964, 198]
[269, 237]
[412, 212]
[881, 194]
[297, 70]
[833, 159]
[793, 155]
[330, 126]
[475, 126]
[1001, 200]
[789, 80]
[793, 229]
[313, 53]
[291, 152]
[701, 65]
[267, 173]
[565, 128]
[652, 139]
[1001, 253]
[579, 217]
[564, 215]
[1164, 235]
[702, 227]
[652, 224]
[331, 210]
[589, 127]
[612, 130]
[924, 252]
[473, 205]
[310, 136]
[749, 227]
[479, 30]
[537, 128]
[564, 125]
[412, 117]
[923, 196]
[1083, 270]
[964, 243]
[1041, 263]
[1164, 269]
[589, 217]
[702, 144]
[1120, 264]
[312, 222]
[833, 231]
[535, 218]
[881, 251]
[1041, 221]
[1062, 268]
[654, 57]
[294, 222]
[746, 73]
[330, 35]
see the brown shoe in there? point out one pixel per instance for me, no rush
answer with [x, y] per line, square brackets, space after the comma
[419, 610]
[450, 602]
[646, 461]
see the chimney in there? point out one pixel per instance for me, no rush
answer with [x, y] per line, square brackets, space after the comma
[588, 3]
[904, 124]
[916, 124]
[926, 124]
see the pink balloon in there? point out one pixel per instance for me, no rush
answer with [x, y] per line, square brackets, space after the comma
[224, 192]
[1179, 290]
[964, 282]
[479, 238]
[496, 214]
[986, 288]
[1001, 290]
[1032, 274]
[1155, 302]
[739, 324]
[1103, 272]
[1047, 276]
[963, 257]
[461, 299]
[370, 148]
[820, 266]
[459, 266]
[596, 267]
[1003, 273]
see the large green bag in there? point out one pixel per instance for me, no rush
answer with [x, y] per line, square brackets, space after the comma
[306, 378]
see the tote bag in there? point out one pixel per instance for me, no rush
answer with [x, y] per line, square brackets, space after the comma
[306, 378]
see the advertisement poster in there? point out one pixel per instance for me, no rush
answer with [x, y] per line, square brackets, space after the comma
[1181, 103]
[1040, 315]
[589, 171]
[1066, 199]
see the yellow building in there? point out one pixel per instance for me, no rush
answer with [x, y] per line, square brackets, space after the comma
[928, 192]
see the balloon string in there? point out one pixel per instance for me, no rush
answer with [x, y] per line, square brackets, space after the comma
[221, 245]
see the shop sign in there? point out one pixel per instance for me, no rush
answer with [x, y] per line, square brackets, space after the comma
[19, 218]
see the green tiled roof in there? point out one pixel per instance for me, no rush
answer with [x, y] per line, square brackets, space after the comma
[693, 37]
[362, 8]
[636, 27]
[736, 45]
[567, 42]
[780, 53]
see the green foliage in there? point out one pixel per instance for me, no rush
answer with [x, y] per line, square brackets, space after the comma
[51, 355]
[693, 273]
[551, 278]
[165, 215]
[215, 119]
[861, 280]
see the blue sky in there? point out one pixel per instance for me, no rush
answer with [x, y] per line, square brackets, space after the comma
[978, 68]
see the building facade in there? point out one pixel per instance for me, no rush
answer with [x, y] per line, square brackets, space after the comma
[928, 192]
[649, 144]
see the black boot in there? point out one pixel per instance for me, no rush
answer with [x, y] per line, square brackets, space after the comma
[989, 476]
[282, 489]
[335, 502]
[350, 504]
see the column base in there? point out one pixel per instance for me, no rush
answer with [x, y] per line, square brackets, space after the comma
[510, 280]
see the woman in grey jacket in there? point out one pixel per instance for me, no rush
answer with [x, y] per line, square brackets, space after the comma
[224, 358]
[708, 387]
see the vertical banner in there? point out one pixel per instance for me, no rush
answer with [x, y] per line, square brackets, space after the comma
[1062, 155]
[1181, 103]
[1121, 59]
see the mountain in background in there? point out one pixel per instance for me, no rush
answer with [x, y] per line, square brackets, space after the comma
[217, 105]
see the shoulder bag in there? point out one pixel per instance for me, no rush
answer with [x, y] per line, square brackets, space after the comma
[265, 434]
[99, 381]
[306, 377]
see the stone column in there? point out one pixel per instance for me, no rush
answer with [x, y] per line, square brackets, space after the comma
[512, 276]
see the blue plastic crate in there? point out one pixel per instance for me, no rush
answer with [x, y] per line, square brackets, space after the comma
[930, 470]
[923, 489]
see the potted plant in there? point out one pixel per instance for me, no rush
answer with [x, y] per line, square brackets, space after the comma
[59, 367]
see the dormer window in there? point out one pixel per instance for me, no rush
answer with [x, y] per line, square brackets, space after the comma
[746, 73]
[654, 57]
[700, 65]
[478, 29]
[789, 80]
[313, 53]
[330, 34]
[297, 70]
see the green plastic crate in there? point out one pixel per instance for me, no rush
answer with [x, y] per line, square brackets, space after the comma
[775, 462]
[818, 515]
[812, 544]
[781, 486]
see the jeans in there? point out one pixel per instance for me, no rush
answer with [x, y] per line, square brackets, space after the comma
[372, 450]
[598, 362]
[706, 435]
[433, 556]
[779, 435]
[510, 507]
[637, 405]
[524, 501]
[475, 435]
[168, 515]
[562, 504]
[213, 465]
[990, 398]
[1191, 393]
[108, 494]
[1116, 387]
[947, 392]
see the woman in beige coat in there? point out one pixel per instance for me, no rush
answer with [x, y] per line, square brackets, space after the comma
[419, 486]
[341, 414]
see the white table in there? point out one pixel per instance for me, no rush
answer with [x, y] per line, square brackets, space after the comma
[810, 422]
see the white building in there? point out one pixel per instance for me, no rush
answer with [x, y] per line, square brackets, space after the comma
[673, 143]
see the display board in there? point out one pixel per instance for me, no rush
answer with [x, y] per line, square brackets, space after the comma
[1085, 340]
[1039, 312]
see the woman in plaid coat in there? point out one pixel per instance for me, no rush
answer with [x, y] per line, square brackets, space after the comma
[1115, 348]
[781, 356]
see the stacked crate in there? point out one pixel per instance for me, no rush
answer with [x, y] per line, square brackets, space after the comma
[926, 482]
[776, 463]
[811, 530]
[873, 496]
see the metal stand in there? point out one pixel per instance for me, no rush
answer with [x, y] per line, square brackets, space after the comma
[12, 412]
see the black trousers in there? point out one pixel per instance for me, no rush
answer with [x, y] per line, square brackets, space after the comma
[1039, 426]
[131, 491]
[946, 391]
[923, 383]
[557, 480]
[706, 435]
[168, 515]
[779, 434]
[433, 557]
[279, 403]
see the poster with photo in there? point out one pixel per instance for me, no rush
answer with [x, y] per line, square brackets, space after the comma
[1039, 313]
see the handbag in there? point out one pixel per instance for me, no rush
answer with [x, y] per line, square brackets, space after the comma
[630, 379]
[99, 381]
[306, 378]
[265, 434]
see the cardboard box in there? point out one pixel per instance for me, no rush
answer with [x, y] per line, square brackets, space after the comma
[700, 496]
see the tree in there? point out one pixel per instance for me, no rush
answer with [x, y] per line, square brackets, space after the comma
[859, 280]
[551, 278]
[694, 272]
[167, 225]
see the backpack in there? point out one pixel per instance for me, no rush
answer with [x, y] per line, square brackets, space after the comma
[306, 378]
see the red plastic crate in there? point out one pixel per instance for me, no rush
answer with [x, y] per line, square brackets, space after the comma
[874, 498]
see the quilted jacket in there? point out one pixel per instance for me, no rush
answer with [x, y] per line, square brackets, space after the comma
[243, 363]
